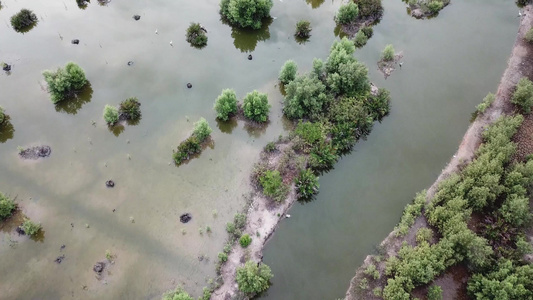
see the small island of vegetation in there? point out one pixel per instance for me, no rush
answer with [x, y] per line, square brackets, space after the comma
[24, 20]
[65, 83]
[246, 13]
[193, 144]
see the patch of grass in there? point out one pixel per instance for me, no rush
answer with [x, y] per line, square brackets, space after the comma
[273, 185]
[245, 240]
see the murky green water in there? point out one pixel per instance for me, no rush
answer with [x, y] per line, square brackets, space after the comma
[450, 63]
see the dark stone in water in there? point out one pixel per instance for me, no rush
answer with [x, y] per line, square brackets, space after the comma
[99, 267]
[130, 63]
[6, 67]
[136, 17]
[185, 218]
[20, 231]
[62, 247]
[110, 183]
[189, 85]
[75, 41]
[59, 259]
[250, 57]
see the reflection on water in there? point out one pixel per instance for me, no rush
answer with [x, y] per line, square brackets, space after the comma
[315, 3]
[339, 32]
[256, 130]
[73, 105]
[246, 39]
[116, 129]
[6, 130]
[227, 126]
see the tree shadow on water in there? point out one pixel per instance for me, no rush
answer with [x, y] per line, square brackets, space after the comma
[116, 129]
[315, 3]
[7, 131]
[73, 104]
[227, 126]
[246, 39]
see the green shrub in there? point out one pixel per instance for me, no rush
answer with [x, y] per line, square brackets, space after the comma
[201, 130]
[368, 31]
[253, 278]
[379, 105]
[273, 185]
[187, 148]
[288, 72]
[435, 6]
[350, 79]
[306, 97]
[130, 109]
[226, 104]
[323, 157]
[303, 29]
[360, 39]
[529, 35]
[246, 13]
[377, 291]
[523, 95]
[245, 240]
[435, 293]
[2, 115]
[23, 20]
[177, 294]
[255, 106]
[310, 132]
[110, 115]
[369, 8]
[372, 271]
[424, 235]
[7, 206]
[341, 52]
[239, 220]
[388, 53]
[306, 184]
[223, 257]
[196, 35]
[347, 13]
[487, 101]
[410, 213]
[270, 147]
[30, 228]
[64, 83]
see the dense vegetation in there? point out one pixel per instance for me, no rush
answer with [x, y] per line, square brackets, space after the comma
[177, 294]
[226, 104]
[196, 35]
[7, 207]
[24, 20]
[288, 72]
[30, 228]
[65, 83]
[246, 13]
[253, 277]
[110, 115]
[487, 101]
[523, 96]
[255, 106]
[2, 115]
[388, 53]
[347, 13]
[303, 29]
[428, 7]
[130, 109]
[193, 144]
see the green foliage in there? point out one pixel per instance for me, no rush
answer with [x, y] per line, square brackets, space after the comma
[253, 278]
[523, 95]
[239, 220]
[288, 72]
[379, 105]
[424, 235]
[306, 98]
[529, 35]
[318, 68]
[256, 107]
[388, 53]
[368, 31]
[130, 108]
[435, 293]
[23, 20]
[2, 115]
[487, 101]
[30, 228]
[435, 6]
[201, 130]
[7, 207]
[187, 148]
[341, 52]
[226, 104]
[310, 132]
[323, 157]
[303, 29]
[377, 291]
[369, 9]
[223, 257]
[110, 115]
[350, 79]
[245, 240]
[372, 271]
[196, 35]
[273, 185]
[270, 147]
[306, 184]
[410, 213]
[360, 39]
[347, 13]
[64, 83]
[177, 294]
[246, 13]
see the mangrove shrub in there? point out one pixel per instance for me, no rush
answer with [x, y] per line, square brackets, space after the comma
[388, 53]
[246, 13]
[369, 8]
[187, 148]
[226, 104]
[30, 228]
[303, 29]
[273, 185]
[201, 130]
[523, 95]
[23, 20]
[347, 13]
[177, 294]
[435, 293]
[529, 35]
[360, 39]
[245, 240]
[288, 72]
[253, 278]
[196, 35]
[255, 106]
[7, 206]
[64, 83]
[110, 115]
[130, 109]
[2, 115]
[487, 101]
[306, 98]
[306, 184]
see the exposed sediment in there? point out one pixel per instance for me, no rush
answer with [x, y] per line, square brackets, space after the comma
[520, 64]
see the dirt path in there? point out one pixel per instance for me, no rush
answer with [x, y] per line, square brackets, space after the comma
[520, 64]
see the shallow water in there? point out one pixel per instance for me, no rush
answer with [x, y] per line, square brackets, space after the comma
[451, 62]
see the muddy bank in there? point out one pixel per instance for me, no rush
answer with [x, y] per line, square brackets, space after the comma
[520, 64]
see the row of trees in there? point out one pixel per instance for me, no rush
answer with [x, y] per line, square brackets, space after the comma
[255, 106]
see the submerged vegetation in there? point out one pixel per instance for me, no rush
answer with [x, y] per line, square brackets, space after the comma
[193, 144]
[196, 35]
[523, 96]
[24, 20]
[246, 13]
[65, 82]
[347, 13]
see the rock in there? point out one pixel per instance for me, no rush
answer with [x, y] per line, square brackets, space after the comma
[185, 218]
[130, 63]
[75, 41]
[62, 247]
[189, 85]
[59, 259]
[136, 17]
[20, 231]
[99, 267]
[417, 13]
[6, 67]
[250, 57]
[110, 183]
[35, 152]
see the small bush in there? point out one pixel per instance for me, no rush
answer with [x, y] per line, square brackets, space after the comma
[288, 72]
[2, 115]
[303, 29]
[424, 235]
[347, 13]
[310, 132]
[23, 20]
[196, 35]
[369, 9]
[256, 107]
[201, 130]
[187, 148]
[360, 39]
[529, 35]
[388, 53]
[323, 157]
[245, 240]
[64, 83]
[410, 213]
[246, 13]
[273, 185]
[435, 6]
[226, 104]
[372, 271]
[435, 293]
[7, 206]
[377, 291]
[177, 294]
[368, 31]
[130, 109]
[487, 101]
[239, 220]
[223, 257]
[110, 115]
[523, 95]
[30, 228]
[253, 278]
[270, 147]
[306, 97]
[306, 184]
